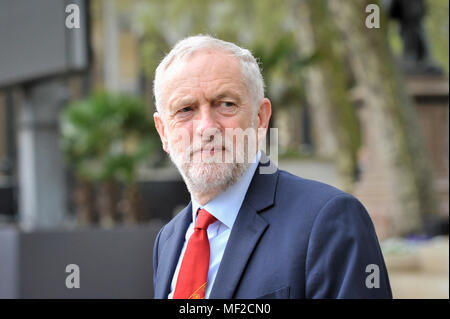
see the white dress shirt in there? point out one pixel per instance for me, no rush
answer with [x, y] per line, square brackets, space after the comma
[225, 207]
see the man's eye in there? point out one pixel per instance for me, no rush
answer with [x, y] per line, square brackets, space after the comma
[186, 109]
[227, 104]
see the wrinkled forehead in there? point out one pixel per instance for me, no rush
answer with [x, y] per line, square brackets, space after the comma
[211, 52]
[205, 63]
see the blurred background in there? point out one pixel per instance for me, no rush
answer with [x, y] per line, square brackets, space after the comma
[359, 90]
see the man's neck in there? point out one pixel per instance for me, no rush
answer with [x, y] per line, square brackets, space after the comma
[206, 197]
[203, 199]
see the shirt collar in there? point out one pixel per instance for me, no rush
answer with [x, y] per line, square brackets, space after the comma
[225, 206]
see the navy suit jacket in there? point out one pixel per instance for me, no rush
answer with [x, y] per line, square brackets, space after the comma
[292, 238]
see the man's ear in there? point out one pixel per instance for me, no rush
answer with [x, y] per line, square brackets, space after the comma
[264, 113]
[161, 131]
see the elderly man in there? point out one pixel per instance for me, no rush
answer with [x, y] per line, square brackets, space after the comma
[246, 233]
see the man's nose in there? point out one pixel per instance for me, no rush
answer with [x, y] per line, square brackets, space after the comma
[206, 122]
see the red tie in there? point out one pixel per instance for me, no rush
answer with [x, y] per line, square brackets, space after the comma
[191, 282]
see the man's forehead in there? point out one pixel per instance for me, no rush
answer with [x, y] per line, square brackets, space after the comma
[205, 63]
[205, 70]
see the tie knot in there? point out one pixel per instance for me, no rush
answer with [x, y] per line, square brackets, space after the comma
[204, 219]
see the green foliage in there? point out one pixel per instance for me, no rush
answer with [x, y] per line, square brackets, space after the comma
[107, 136]
[331, 54]
[436, 26]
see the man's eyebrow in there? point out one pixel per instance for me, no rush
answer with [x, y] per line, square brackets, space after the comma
[186, 100]
[227, 94]
[183, 101]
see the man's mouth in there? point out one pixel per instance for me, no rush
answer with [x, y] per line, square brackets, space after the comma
[211, 150]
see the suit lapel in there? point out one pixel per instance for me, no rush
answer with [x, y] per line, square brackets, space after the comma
[170, 253]
[247, 230]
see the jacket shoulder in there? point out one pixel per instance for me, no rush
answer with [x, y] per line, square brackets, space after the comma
[302, 188]
[181, 218]
[310, 197]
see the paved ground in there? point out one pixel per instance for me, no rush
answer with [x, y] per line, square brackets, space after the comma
[419, 270]
[417, 285]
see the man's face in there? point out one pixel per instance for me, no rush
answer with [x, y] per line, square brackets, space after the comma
[203, 96]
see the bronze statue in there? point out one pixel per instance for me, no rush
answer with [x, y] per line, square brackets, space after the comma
[416, 54]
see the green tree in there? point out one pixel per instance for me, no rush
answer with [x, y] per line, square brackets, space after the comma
[106, 138]
[391, 109]
[328, 86]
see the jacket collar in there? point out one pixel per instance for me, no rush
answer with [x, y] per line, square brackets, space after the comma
[246, 232]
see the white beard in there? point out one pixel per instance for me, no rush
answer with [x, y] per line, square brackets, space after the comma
[207, 177]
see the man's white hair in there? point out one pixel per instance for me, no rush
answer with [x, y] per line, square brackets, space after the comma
[184, 48]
